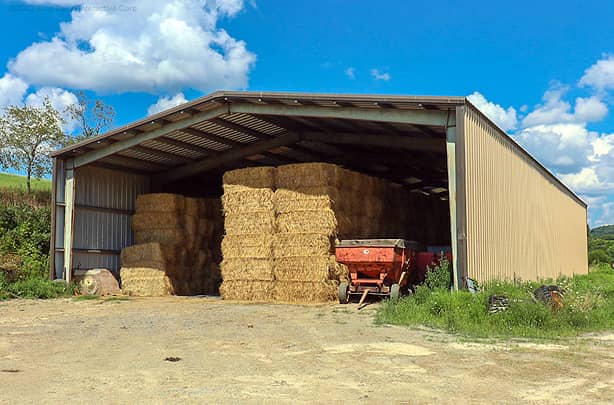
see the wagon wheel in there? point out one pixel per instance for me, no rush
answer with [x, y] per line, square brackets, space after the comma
[343, 293]
[394, 291]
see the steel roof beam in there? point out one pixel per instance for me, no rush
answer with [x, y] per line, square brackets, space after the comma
[203, 165]
[119, 146]
[385, 140]
[419, 117]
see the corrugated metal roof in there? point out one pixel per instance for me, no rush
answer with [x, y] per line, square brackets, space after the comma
[225, 129]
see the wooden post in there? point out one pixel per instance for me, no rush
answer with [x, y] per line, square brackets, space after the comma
[69, 219]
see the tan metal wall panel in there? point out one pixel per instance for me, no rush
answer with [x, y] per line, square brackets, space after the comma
[521, 223]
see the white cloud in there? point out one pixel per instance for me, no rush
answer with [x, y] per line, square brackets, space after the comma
[154, 46]
[12, 90]
[164, 103]
[562, 147]
[600, 75]
[555, 110]
[505, 118]
[350, 72]
[377, 75]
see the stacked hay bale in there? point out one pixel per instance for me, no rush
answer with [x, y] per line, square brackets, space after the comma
[249, 221]
[174, 253]
[313, 205]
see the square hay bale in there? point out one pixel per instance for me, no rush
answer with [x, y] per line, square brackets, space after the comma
[251, 177]
[143, 281]
[320, 221]
[317, 268]
[309, 292]
[308, 175]
[250, 223]
[192, 207]
[157, 220]
[248, 200]
[307, 199]
[302, 244]
[247, 290]
[166, 236]
[160, 202]
[247, 246]
[155, 255]
[310, 269]
[247, 269]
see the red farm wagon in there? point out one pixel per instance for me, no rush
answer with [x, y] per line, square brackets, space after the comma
[377, 266]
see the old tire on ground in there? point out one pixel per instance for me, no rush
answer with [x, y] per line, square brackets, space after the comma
[89, 286]
[343, 293]
[394, 291]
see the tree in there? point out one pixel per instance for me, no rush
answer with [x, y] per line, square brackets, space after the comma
[93, 117]
[27, 135]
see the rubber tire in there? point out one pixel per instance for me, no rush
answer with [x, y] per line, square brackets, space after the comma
[343, 293]
[395, 291]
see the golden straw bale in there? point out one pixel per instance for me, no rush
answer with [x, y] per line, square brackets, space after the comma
[302, 244]
[248, 200]
[247, 246]
[251, 177]
[160, 236]
[154, 255]
[308, 175]
[247, 290]
[250, 223]
[298, 291]
[160, 202]
[314, 268]
[320, 221]
[192, 207]
[247, 269]
[307, 198]
[142, 281]
[156, 220]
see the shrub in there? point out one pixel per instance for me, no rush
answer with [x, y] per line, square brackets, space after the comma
[589, 306]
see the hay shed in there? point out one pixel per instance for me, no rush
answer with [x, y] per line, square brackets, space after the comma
[503, 214]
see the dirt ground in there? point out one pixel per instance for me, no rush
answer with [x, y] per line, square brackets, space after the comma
[114, 351]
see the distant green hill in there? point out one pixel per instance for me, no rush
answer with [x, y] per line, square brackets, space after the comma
[603, 232]
[14, 181]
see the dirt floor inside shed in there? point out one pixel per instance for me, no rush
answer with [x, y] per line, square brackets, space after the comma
[114, 351]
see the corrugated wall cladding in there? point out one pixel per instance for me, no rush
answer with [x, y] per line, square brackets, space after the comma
[104, 201]
[520, 222]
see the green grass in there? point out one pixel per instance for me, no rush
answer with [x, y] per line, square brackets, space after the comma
[589, 306]
[33, 288]
[14, 181]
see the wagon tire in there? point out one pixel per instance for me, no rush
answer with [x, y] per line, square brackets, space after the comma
[343, 293]
[395, 290]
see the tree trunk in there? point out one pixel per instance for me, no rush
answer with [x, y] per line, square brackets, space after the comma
[28, 179]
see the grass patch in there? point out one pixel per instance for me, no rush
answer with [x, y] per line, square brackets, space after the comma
[118, 298]
[14, 181]
[589, 306]
[86, 298]
[33, 288]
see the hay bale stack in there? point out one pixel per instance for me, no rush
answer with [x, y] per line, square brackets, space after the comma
[311, 203]
[249, 225]
[177, 250]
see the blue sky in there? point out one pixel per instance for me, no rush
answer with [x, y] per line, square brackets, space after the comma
[544, 70]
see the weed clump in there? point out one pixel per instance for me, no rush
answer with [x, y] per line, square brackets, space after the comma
[588, 306]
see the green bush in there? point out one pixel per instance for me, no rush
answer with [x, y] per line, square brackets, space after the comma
[25, 231]
[589, 306]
